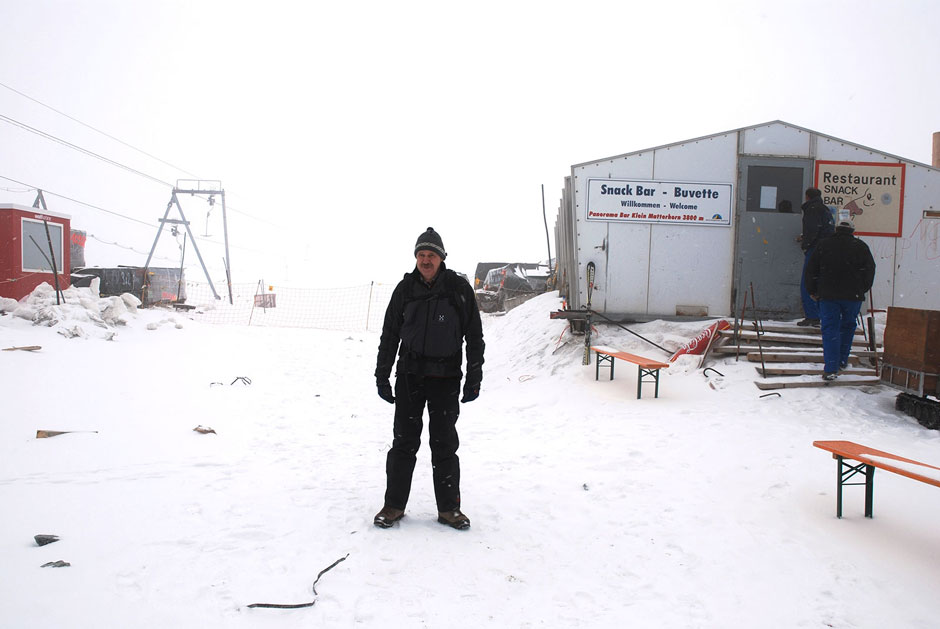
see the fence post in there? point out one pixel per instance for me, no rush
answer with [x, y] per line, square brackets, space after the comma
[369, 307]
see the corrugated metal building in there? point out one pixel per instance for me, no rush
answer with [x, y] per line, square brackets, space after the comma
[685, 229]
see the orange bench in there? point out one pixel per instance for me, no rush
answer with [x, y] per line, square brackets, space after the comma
[869, 459]
[648, 370]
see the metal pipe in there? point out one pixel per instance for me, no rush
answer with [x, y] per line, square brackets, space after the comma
[55, 271]
[179, 282]
[630, 331]
[936, 149]
[228, 259]
[548, 241]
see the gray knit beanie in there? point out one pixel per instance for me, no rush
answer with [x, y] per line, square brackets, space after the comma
[430, 241]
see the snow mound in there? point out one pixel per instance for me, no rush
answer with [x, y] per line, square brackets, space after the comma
[79, 313]
[528, 340]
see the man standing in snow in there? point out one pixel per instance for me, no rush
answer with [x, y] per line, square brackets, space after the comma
[431, 313]
[817, 224]
[839, 273]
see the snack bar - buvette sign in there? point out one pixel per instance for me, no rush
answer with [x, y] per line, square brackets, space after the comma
[672, 202]
[871, 192]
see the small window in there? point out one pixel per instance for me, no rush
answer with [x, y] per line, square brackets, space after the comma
[36, 246]
[774, 189]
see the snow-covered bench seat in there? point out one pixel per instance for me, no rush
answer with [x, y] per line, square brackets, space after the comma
[648, 370]
[869, 459]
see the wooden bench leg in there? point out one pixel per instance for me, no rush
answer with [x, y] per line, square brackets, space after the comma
[844, 472]
[600, 358]
[641, 374]
[839, 487]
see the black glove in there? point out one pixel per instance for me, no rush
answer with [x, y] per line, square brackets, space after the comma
[471, 388]
[385, 391]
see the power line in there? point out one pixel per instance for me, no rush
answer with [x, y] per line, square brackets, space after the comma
[117, 244]
[89, 205]
[111, 162]
[96, 130]
[260, 220]
[17, 190]
[80, 149]
[31, 187]
[107, 160]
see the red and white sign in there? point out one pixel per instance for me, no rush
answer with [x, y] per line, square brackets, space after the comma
[699, 345]
[872, 193]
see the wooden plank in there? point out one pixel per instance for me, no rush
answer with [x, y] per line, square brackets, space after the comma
[45, 434]
[877, 458]
[777, 349]
[801, 357]
[770, 385]
[712, 342]
[769, 357]
[731, 348]
[796, 339]
[912, 339]
[791, 328]
[811, 371]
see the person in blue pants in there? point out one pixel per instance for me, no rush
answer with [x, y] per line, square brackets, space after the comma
[838, 273]
[817, 225]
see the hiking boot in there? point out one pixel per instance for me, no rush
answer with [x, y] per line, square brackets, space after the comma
[388, 516]
[830, 376]
[843, 367]
[454, 518]
[808, 322]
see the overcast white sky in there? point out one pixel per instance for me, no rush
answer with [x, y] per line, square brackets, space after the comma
[341, 130]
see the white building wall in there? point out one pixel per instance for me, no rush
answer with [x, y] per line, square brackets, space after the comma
[625, 253]
[908, 268]
[691, 266]
[778, 140]
[916, 254]
[653, 268]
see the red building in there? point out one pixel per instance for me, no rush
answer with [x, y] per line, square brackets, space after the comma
[26, 258]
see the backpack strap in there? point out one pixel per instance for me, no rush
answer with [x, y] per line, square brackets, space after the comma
[452, 291]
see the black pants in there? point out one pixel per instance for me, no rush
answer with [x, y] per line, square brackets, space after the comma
[441, 397]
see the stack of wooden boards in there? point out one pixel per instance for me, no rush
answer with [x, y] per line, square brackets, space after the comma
[912, 362]
[790, 356]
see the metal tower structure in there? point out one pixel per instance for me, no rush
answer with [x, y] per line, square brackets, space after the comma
[210, 189]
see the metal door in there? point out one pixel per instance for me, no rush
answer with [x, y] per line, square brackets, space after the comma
[769, 258]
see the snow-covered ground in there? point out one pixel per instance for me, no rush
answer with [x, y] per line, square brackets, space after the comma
[706, 507]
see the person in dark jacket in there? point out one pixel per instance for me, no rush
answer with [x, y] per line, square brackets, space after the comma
[817, 224]
[431, 313]
[839, 273]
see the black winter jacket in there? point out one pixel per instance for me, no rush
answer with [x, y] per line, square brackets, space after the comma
[841, 268]
[815, 224]
[426, 327]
